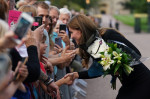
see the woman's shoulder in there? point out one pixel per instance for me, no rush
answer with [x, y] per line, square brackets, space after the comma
[110, 33]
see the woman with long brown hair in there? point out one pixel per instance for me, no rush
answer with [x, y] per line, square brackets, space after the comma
[134, 86]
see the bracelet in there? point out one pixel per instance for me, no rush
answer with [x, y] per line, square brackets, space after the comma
[48, 81]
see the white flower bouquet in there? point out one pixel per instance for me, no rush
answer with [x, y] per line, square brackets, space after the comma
[115, 58]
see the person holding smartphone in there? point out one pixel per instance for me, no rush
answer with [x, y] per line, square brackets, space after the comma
[43, 10]
[7, 86]
[6, 36]
[65, 16]
[54, 14]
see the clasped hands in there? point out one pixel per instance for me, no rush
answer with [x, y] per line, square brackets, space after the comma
[67, 79]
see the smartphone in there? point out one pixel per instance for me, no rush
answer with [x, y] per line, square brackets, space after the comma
[62, 27]
[4, 65]
[37, 22]
[58, 41]
[38, 19]
[24, 23]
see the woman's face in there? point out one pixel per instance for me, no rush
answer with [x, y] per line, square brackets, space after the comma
[49, 26]
[43, 47]
[75, 34]
[56, 29]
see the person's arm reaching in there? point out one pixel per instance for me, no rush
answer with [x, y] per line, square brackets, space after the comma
[49, 83]
[33, 64]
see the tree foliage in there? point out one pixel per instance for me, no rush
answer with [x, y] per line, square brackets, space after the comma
[137, 6]
[74, 4]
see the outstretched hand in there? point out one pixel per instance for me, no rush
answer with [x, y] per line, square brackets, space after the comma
[68, 55]
[67, 79]
[72, 76]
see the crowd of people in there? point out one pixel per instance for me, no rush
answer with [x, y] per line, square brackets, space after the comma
[54, 58]
[41, 72]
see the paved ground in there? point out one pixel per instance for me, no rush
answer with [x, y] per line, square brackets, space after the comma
[99, 88]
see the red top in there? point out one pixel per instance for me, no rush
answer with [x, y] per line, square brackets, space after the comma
[42, 67]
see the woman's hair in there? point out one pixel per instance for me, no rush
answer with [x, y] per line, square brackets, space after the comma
[87, 28]
[28, 8]
[3, 28]
[44, 38]
[21, 3]
[3, 9]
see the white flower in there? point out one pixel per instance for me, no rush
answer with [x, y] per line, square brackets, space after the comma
[117, 56]
[106, 61]
[98, 46]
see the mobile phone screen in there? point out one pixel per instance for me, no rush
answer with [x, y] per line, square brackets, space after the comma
[58, 41]
[38, 21]
[62, 27]
[21, 28]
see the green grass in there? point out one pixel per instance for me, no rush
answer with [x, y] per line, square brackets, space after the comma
[130, 20]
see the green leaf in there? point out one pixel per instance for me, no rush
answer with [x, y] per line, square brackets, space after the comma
[105, 73]
[102, 53]
[110, 50]
[126, 72]
[115, 45]
[116, 68]
[127, 69]
[114, 62]
[110, 44]
[125, 58]
[118, 50]
[113, 85]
